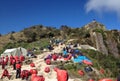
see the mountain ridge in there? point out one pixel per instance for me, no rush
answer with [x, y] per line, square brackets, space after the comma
[93, 33]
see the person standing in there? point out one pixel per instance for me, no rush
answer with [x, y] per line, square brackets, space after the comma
[11, 59]
[22, 58]
[6, 60]
[0, 60]
[18, 70]
[3, 63]
[14, 64]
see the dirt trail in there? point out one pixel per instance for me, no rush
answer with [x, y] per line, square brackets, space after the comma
[40, 65]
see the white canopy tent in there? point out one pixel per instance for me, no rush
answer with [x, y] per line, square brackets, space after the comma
[15, 51]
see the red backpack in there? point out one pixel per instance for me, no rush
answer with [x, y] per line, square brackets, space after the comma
[48, 61]
[34, 71]
[32, 65]
[81, 73]
[54, 57]
[47, 69]
[62, 75]
[24, 73]
[33, 77]
[90, 80]
[39, 78]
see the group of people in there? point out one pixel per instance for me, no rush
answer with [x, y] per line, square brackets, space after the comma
[62, 75]
[14, 61]
[69, 53]
[17, 62]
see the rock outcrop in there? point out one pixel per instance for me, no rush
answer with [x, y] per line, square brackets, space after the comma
[98, 41]
[105, 41]
[94, 25]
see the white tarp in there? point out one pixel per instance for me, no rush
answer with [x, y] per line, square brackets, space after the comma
[9, 50]
[15, 51]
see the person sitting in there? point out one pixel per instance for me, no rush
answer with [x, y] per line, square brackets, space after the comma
[5, 74]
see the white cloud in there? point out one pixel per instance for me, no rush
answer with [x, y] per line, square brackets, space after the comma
[101, 6]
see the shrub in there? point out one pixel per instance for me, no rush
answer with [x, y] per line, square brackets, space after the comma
[107, 62]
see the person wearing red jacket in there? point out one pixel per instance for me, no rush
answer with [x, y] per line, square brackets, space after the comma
[14, 64]
[16, 57]
[11, 58]
[18, 70]
[6, 60]
[3, 63]
[62, 75]
[22, 58]
[5, 74]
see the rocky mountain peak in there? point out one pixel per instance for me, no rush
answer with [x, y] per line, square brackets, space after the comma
[94, 25]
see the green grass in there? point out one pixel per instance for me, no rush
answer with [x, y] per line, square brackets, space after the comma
[106, 62]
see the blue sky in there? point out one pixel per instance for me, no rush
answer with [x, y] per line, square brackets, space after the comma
[15, 15]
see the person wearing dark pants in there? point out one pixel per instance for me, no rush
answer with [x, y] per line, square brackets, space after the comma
[3, 63]
[14, 64]
[18, 70]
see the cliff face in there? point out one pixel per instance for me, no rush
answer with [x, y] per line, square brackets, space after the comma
[98, 41]
[107, 45]
[112, 47]
[105, 41]
[112, 42]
